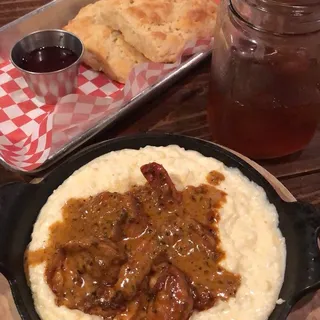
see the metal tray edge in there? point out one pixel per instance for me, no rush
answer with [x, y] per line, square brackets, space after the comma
[143, 96]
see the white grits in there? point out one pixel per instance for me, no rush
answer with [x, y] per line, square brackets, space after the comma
[248, 228]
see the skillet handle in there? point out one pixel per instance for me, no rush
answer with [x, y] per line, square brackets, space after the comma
[307, 224]
[9, 197]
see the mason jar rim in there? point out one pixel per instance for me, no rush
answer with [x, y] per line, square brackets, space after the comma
[278, 17]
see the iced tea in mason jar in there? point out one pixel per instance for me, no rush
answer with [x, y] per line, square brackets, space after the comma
[264, 98]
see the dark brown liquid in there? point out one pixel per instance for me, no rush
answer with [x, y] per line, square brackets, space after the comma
[152, 252]
[265, 109]
[48, 59]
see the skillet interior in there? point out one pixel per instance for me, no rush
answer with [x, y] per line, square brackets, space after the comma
[21, 203]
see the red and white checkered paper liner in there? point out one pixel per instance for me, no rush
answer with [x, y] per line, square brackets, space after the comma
[30, 130]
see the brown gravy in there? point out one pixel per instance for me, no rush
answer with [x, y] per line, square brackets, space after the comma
[150, 253]
[215, 177]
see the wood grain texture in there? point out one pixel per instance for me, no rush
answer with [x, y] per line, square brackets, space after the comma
[181, 109]
[306, 187]
[307, 309]
[8, 310]
[14, 9]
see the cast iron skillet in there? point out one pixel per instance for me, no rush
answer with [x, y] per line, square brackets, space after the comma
[20, 204]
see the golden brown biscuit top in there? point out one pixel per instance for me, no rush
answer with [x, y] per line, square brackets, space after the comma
[155, 12]
[200, 14]
[151, 12]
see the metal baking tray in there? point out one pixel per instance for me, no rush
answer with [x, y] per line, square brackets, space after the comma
[55, 15]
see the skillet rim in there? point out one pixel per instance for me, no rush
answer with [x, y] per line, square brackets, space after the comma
[242, 165]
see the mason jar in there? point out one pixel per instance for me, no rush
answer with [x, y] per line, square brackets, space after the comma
[264, 98]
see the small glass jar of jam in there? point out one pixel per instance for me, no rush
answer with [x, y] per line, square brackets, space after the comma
[264, 98]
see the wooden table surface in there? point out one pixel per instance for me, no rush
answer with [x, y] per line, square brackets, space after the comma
[181, 109]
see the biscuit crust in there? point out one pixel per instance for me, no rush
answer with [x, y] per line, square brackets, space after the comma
[105, 49]
[160, 28]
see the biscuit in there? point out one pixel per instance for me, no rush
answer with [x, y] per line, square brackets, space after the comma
[105, 49]
[160, 28]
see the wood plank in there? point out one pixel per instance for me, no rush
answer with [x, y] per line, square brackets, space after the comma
[308, 160]
[305, 188]
[8, 310]
[18, 5]
[13, 9]
[182, 110]
[307, 308]
[8, 176]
